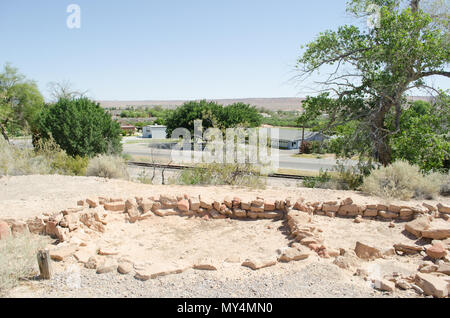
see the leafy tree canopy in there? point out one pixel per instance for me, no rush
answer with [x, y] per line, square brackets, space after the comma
[80, 127]
[20, 102]
[423, 138]
[212, 115]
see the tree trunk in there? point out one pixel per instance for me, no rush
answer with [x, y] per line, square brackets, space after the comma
[3, 130]
[415, 5]
[383, 150]
[380, 137]
[303, 139]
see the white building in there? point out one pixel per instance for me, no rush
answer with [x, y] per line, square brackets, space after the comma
[154, 132]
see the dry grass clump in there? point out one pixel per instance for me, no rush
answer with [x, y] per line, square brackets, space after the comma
[47, 158]
[108, 166]
[222, 174]
[402, 180]
[15, 161]
[18, 258]
[444, 182]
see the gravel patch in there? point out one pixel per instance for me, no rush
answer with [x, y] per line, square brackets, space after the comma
[316, 279]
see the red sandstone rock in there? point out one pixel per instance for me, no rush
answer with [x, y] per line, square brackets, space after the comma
[118, 206]
[437, 251]
[5, 231]
[183, 205]
[269, 206]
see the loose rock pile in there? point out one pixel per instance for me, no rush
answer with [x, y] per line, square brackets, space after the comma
[90, 217]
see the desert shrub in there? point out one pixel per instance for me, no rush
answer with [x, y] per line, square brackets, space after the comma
[350, 178]
[442, 180]
[445, 186]
[47, 158]
[339, 178]
[80, 127]
[222, 174]
[401, 180]
[108, 166]
[18, 258]
[60, 161]
[306, 147]
[318, 147]
[15, 161]
[146, 177]
[317, 182]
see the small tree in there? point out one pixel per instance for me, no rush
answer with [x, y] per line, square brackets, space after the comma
[20, 102]
[213, 115]
[239, 114]
[185, 116]
[80, 127]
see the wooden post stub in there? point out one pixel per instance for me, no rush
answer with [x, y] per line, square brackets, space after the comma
[45, 265]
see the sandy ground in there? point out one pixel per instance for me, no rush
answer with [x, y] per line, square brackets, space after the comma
[182, 241]
[23, 197]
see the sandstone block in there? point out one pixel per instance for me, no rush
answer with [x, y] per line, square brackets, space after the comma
[367, 252]
[371, 212]
[194, 204]
[63, 252]
[246, 205]
[183, 205]
[294, 254]
[436, 251]
[432, 285]
[92, 202]
[239, 213]
[269, 206]
[443, 208]
[118, 206]
[388, 214]
[418, 225]
[330, 208]
[107, 266]
[259, 263]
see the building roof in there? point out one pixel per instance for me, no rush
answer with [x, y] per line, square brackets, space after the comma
[156, 126]
[294, 134]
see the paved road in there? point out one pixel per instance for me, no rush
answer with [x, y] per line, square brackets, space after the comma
[286, 159]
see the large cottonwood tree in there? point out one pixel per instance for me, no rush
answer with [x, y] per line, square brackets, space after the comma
[373, 68]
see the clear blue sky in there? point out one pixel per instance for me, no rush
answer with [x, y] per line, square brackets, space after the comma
[171, 49]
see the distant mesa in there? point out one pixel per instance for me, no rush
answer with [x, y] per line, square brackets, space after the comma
[277, 103]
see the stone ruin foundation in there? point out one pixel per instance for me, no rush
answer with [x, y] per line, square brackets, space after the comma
[90, 216]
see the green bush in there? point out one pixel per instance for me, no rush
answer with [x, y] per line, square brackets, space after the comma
[80, 127]
[221, 174]
[318, 147]
[108, 166]
[339, 178]
[318, 182]
[60, 162]
[402, 180]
